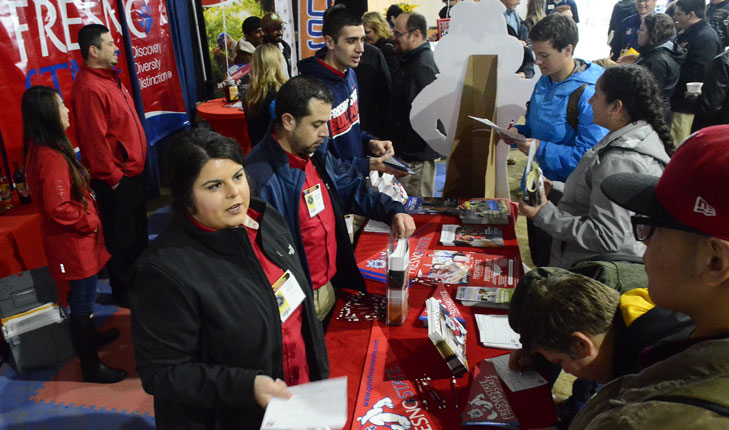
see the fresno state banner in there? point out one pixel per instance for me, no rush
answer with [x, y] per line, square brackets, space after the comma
[311, 19]
[387, 398]
[155, 67]
[39, 46]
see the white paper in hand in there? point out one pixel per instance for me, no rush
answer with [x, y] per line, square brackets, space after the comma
[511, 133]
[318, 405]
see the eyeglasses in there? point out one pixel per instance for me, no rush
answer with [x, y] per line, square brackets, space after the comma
[644, 227]
[398, 35]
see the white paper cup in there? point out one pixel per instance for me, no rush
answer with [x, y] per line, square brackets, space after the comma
[694, 87]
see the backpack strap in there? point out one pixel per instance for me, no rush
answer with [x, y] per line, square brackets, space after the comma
[573, 111]
[699, 403]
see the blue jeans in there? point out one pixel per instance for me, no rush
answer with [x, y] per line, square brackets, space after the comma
[82, 296]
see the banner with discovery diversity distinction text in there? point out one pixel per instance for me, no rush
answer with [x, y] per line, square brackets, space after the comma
[154, 62]
[39, 46]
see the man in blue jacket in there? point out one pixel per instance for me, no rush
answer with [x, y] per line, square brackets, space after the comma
[344, 37]
[293, 170]
[560, 143]
[559, 116]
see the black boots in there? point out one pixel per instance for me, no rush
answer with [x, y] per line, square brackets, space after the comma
[85, 341]
[101, 338]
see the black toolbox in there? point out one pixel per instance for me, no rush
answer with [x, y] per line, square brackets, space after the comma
[34, 325]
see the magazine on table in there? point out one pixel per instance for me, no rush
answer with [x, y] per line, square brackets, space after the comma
[471, 268]
[485, 211]
[469, 235]
[448, 335]
[487, 297]
[441, 294]
[432, 206]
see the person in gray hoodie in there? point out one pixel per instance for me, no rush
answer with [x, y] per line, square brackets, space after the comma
[585, 224]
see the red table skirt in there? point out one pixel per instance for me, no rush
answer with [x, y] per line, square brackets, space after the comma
[20, 239]
[230, 122]
[347, 344]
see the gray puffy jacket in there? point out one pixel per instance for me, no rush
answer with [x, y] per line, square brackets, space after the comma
[585, 223]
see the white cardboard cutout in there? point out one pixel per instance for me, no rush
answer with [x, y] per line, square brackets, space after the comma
[475, 29]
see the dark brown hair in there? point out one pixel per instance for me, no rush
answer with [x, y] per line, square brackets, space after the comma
[42, 127]
[185, 159]
[660, 29]
[556, 306]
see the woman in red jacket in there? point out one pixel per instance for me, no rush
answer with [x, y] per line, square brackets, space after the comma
[72, 234]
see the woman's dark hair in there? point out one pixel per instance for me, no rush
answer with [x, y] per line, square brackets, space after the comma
[636, 87]
[660, 29]
[42, 126]
[186, 157]
[559, 29]
[393, 12]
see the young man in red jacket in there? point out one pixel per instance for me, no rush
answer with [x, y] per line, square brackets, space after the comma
[114, 148]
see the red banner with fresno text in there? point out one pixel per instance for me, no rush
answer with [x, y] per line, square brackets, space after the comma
[38, 46]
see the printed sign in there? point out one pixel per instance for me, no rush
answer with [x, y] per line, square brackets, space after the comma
[154, 60]
[311, 19]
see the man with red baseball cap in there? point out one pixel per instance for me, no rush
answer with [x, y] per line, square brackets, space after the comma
[683, 217]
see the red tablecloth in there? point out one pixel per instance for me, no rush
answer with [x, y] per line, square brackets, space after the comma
[230, 122]
[347, 344]
[21, 244]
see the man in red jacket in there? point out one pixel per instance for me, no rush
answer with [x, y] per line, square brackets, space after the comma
[113, 148]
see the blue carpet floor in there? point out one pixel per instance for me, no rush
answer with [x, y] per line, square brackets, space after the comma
[19, 409]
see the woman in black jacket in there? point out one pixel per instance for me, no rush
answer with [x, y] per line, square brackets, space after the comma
[659, 55]
[215, 337]
[379, 34]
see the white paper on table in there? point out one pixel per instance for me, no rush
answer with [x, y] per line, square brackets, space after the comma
[318, 405]
[511, 133]
[494, 331]
[514, 379]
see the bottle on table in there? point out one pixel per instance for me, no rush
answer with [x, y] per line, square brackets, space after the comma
[231, 90]
[398, 281]
[20, 184]
[5, 193]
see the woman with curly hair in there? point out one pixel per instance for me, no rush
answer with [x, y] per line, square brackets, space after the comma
[659, 56]
[378, 33]
[585, 224]
[267, 76]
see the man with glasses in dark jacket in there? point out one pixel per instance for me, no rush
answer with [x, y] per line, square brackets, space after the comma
[417, 70]
[701, 44]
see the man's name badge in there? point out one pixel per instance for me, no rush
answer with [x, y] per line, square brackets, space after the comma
[289, 295]
[314, 200]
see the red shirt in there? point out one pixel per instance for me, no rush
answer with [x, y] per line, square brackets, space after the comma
[317, 230]
[332, 69]
[295, 365]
